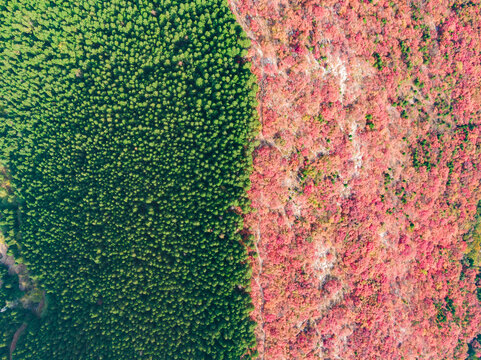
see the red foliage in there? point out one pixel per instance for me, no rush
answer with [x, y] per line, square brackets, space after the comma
[366, 179]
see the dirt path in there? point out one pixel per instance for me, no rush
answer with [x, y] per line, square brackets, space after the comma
[16, 336]
[40, 306]
[22, 328]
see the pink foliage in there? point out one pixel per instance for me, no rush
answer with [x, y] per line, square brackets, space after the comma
[365, 179]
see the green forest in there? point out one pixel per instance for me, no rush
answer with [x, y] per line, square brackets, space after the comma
[126, 127]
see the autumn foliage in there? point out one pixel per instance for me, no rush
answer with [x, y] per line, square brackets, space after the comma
[366, 178]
